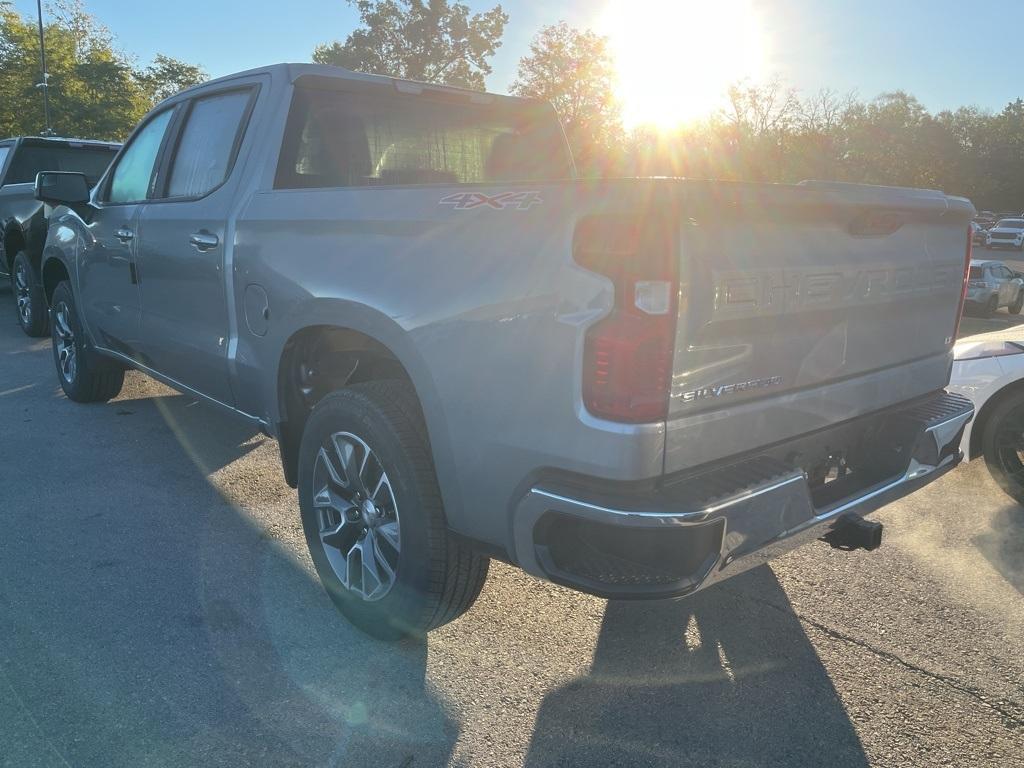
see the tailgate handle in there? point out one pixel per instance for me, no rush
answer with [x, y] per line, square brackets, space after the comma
[877, 223]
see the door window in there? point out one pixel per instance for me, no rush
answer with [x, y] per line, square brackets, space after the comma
[134, 171]
[4, 151]
[207, 144]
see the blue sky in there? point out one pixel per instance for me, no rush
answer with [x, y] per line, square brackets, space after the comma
[934, 49]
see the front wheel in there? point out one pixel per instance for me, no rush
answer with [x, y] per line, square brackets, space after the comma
[373, 518]
[85, 376]
[28, 296]
[1002, 443]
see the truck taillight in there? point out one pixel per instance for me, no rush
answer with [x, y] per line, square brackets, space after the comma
[963, 288]
[627, 357]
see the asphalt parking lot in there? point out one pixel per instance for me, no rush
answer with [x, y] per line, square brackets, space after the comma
[157, 608]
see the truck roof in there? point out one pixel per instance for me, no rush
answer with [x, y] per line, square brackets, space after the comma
[63, 140]
[294, 72]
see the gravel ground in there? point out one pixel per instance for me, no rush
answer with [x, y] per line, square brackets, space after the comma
[157, 608]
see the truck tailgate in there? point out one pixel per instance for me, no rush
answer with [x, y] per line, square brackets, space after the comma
[802, 306]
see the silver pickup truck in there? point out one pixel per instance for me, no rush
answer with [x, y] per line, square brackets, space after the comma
[635, 388]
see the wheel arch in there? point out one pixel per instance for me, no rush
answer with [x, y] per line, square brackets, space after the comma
[53, 272]
[352, 343]
[14, 240]
[974, 448]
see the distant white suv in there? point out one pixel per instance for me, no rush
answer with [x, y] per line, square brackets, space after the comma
[991, 285]
[1007, 233]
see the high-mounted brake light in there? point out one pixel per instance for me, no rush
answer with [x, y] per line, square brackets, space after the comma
[627, 358]
[963, 288]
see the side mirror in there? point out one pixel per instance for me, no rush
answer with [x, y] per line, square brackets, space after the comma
[62, 188]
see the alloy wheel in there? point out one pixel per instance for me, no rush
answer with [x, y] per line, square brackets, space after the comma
[64, 338]
[22, 294]
[357, 516]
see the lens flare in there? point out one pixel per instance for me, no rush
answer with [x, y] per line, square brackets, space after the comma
[675, 59]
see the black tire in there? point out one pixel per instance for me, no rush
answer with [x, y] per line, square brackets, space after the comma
[436, 578]
[89, 377]
[1002, 443]
[1018, 303]
[990, 306]
[29, 301]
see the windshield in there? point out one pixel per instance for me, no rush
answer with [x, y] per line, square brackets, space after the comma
[30, 159]
[1010, 224]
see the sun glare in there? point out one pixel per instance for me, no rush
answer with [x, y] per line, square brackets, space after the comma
[675, 59]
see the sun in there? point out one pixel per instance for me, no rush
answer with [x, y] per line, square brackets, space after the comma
[675, 59]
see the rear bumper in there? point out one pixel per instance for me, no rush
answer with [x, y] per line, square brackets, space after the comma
[979, 296]
[720, 522]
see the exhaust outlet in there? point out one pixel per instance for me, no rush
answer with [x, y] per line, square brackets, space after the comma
[855, 533]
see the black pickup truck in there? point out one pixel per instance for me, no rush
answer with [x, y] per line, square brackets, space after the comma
[22, 217]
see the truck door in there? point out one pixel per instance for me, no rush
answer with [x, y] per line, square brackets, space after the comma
[184, 242]
[107, 278]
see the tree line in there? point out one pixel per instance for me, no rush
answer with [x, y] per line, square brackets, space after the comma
[766, 131]
[96, 90]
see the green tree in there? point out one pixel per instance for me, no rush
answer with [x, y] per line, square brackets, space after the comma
[573, 70]
[166, 76]
[95, 90]
[433, 41]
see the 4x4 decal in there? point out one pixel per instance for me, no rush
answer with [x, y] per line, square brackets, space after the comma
[466, 201]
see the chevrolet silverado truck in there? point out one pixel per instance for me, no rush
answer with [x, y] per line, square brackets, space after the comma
[22, 224]
[635, 388]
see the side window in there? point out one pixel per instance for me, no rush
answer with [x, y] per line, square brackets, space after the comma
[1002, 273]
[207, 144]
[4, 151]
[134, 171]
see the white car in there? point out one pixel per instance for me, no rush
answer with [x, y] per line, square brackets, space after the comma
[1007, 233]
[991, 374]
[991, 285]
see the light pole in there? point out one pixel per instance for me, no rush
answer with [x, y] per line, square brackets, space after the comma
[44, 85]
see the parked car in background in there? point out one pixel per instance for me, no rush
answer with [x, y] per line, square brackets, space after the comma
[991, 285]
[473, 353]
[991, 375]
[22, 217]
[979, 234]
[1006, 233]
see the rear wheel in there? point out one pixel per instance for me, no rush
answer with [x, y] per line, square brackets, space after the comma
[373, 518]
[1003, 444]
[28, 296]
[85, 376]
[1018, 303]
[990, 306]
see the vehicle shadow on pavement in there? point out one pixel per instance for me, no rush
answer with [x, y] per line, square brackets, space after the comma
[146, 619]
[1003, 544]
[1002, 321]
[727, 677]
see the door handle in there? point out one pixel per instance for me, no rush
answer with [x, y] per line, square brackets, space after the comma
[124, 234]
[203, 241]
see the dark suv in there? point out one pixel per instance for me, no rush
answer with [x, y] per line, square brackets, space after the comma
[23, 219]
